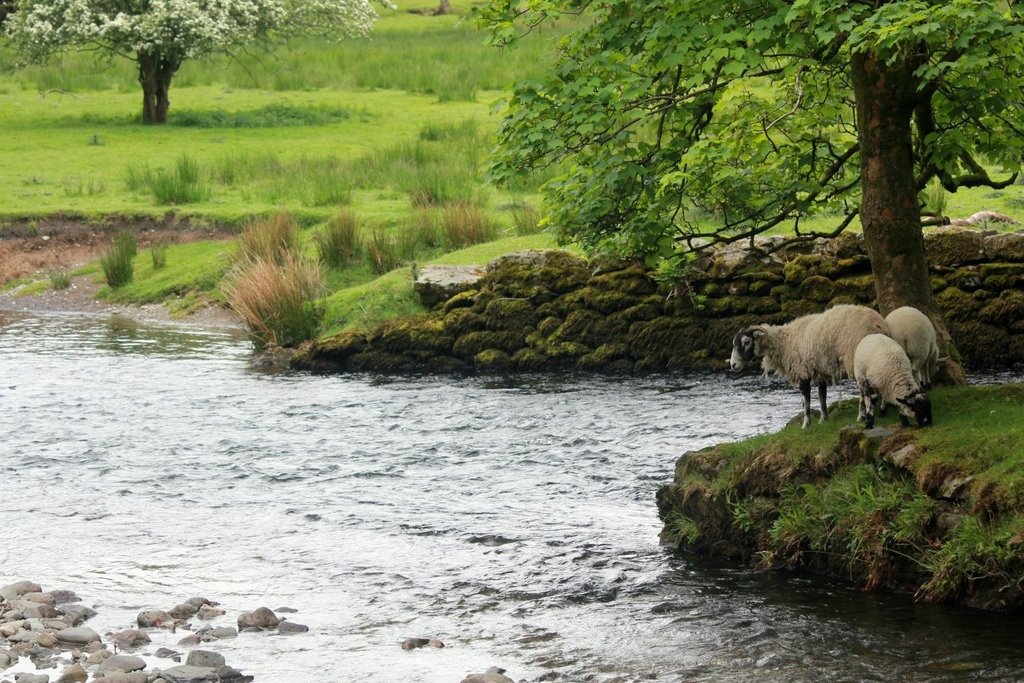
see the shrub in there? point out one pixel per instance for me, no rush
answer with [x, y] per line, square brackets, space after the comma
[184, 184]
[382, 252]
[526, 219]
[277, 299]
[269, 239]
[60, 279]
[465, 224]
[118, 261]
[158, 252]
[337, 243]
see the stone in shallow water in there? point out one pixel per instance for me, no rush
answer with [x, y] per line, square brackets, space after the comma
[190, 640]
[261, 617]
[205, 659]
[31, 678]
[167, 653]
[492, 675]
[189, 674]
[133, 677]
[219, 633]
[153, 618]
[208, 612]
[183, 611]
[19, 588]
[78, 635]
[76, 613]
[199, 602]
[291, 627]
[126, 663]
[72, 674]
[131, 638]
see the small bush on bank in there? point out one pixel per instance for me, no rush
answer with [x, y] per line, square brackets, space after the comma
[526, 219]
[158, 253]
[277, 299]
[382, 252]
[60, 279]
[464, 225]
[338, 243]
[118, 261]
[270, 239]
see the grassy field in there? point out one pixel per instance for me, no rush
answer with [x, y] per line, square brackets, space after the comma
[394, 129]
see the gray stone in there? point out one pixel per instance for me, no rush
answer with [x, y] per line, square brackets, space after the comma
[261, 617]
[125, 663]
[492, 675]
[6, 659]
[31, 678]
[207, 612]
[39, 598]
[131, 638]
[199, 602]
[14, 590]
[905, 457]
[77, 613]
[75, 672]
[153, 618]
[227, 674]
[291, 627]
[63, 597]
[437, 284]
[286, 610]
[78, 635]
[167, 653]
[183, 611]
[133, 677]
[39, 611]
[189, 674]
[414, 643]
[205, 658]
[219, 633]
[98, 657]
[190, 640]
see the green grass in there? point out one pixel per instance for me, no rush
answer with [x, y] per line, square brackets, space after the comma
[196, 267]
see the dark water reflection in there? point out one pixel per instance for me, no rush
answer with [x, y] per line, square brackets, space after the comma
[512, 518]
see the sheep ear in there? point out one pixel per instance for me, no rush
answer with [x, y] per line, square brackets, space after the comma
[757, 333]
[904, 401]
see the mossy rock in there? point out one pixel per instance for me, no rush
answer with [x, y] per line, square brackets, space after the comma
[1005, 246]
[602, 358]
[556, 350]
[461, 300]
[980, 345]
[493, 361]
[859, 288]
[547, 326]
[462, 321]
[634, 281]
[938, 283]
[953, 246]
[761, 287]
[1000, 276]
[738, 288]
[415, 334]
[957, 305]
[336, 349]
[648, 309]
[966, 278]
[794, 308]
[817, 288]
[1006, 311]
[763, 305]
[782, 292]
[554, 270]
[586, 327]
[772, 277]
[446, 365]
[800, 268]
[469, 345]
[839, 267]
[658, 341]
[530, 360]
[726, 306]
[510, 314]
[381, 361]
[606, 301]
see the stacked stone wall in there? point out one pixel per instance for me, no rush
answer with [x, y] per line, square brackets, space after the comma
[544, 311]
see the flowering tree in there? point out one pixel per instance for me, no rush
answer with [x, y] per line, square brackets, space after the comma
[159, 35]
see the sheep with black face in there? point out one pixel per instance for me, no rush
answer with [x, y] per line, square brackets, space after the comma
[884, 374]
[813, 349]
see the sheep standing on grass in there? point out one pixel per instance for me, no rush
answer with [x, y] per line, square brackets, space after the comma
[916, 334]
[883, 372]
[816, 348]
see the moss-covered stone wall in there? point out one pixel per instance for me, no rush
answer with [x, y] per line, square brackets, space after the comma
[540, 311]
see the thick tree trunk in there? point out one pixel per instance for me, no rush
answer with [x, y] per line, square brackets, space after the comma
[155, 73]
[889, 213]
[444, 8]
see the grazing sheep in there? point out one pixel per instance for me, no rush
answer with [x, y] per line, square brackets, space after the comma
[883, 372]
[916, 334]
[816, 348]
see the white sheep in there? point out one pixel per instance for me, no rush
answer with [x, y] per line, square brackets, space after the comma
[816, 348]
[883, 372]
[916, 334]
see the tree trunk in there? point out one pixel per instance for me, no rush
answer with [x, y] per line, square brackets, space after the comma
[889, 213]
[444, 8]
[155, 73]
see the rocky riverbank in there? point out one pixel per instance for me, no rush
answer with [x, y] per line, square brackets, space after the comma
[545, 311]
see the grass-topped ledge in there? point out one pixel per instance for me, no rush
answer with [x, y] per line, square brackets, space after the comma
[938, 512]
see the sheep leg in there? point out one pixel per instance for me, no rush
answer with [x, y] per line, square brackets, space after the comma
[867, 404]
[805, 393]
[822, 393]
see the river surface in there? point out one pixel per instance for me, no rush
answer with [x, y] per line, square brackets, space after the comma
[514, 519]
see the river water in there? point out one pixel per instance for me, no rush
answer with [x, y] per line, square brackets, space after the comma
[514, 519]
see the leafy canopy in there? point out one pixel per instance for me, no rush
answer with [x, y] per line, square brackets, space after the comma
[675, 119]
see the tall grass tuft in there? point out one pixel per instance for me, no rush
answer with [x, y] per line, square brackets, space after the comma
[118, 261]
[425, 224]
[382, 252]
[158, 253]
[464, 225]
[183, 184]
[277, 299]
[338, 243]
[526, 219]
[60, 279]
[269, 239]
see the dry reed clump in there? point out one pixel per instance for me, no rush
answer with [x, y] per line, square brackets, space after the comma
[277, 299]
[269, 239]
[465, 224]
